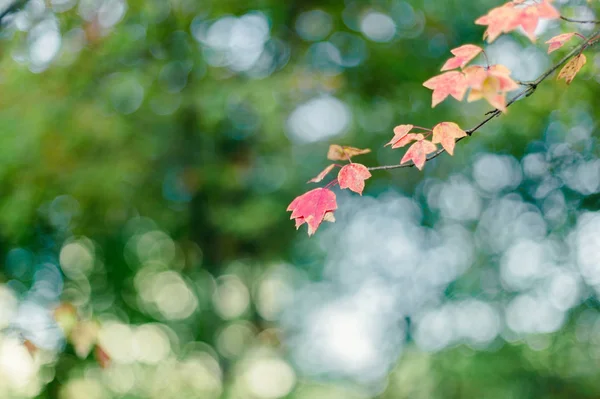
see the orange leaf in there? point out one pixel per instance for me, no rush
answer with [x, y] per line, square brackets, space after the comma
[462, 56]
[418, 153]
[353, 176]
[447, 84]
[344, 153]
[322, 175]
[571, 68]
[558, 41]
[446, 134]
[312, 207]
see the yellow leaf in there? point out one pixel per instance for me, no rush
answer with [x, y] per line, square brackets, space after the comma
[344, 153]
[446, 133]
[571, 68]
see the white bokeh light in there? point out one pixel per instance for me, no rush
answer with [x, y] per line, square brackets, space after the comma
[318, 119]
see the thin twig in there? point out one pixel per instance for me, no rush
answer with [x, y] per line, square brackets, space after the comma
[579, 21]
[531, 87]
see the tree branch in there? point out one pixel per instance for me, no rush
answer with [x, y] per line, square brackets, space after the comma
[579, 21]
[531, 87]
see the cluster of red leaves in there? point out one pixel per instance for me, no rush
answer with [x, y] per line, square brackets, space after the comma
[318, 205]
[514, 14]
[490, 83]
[444, 133]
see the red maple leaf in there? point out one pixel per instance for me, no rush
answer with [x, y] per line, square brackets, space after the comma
[462, 56]
[353, 176]
[446, 134]
[418, 153]
[447, 84]
[312, 208]
[558, 41]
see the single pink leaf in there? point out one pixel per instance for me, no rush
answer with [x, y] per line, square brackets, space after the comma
[462, 56]
[311, 208]
[498, 20]
[446, 134]
[447, 84]
[547, 10]
[353, 176]
[418, 153]
[558, 41]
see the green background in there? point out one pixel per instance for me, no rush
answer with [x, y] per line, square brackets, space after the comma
[145, 169]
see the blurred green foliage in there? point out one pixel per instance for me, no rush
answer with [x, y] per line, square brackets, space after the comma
[169, 165]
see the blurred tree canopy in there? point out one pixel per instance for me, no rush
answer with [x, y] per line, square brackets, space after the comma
[149, 149]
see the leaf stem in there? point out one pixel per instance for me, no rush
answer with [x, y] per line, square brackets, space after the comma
[332, 183]
[487, 61]
[422, 128]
